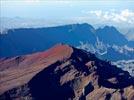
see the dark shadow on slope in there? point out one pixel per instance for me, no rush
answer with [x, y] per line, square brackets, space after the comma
[5, 96]
[80, 57]
[108, 96]
[46, 85]
[106, 71]
[89, 88]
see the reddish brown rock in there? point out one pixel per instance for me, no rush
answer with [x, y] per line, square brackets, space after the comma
[63, 73]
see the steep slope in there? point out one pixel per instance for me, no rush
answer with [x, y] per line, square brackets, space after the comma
[63, 73]
[131, 43]
[28, 40]
[20, 69]
[109, 52]
[111, 35]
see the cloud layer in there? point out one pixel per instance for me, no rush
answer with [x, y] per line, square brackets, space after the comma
[121, 16]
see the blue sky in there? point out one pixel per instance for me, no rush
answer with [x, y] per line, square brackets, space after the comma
[59, 9]
[91, 11]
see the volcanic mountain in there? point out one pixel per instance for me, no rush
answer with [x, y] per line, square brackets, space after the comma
[63, 73]
[106, 42]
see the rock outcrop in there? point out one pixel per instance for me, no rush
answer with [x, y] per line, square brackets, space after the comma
[63, 73]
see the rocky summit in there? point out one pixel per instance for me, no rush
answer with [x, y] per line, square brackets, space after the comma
[63, 73]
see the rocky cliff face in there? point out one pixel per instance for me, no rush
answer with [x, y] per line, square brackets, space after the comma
[63, 73]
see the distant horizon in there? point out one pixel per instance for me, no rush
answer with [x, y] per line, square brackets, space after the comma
[131, 38]
[99, 11]
[44, 13]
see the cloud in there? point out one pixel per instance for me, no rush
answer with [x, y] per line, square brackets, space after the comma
[112, 15]
[32, 1]
[97, 13]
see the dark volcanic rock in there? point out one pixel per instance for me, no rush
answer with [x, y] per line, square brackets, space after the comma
[63, 73]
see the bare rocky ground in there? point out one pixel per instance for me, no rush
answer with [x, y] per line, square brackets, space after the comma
[63, 73]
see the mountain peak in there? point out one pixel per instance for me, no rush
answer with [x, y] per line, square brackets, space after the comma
[59, 50]
[63, 72]
[111, 35]
[87, 25]
[110, 28]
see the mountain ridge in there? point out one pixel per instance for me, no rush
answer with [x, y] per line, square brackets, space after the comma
[63, 72]
[31, 40]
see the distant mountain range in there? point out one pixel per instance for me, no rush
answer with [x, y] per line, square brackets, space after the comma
[128, 31]
[129, 34]
[106, 43]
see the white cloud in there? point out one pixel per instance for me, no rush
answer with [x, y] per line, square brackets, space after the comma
[32, 1]
[97, 12]
[111, 15]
